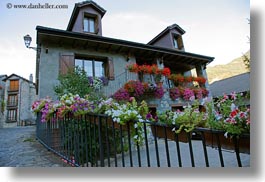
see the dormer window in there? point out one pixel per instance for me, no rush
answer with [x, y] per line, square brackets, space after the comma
[177, 42]
[89, 23]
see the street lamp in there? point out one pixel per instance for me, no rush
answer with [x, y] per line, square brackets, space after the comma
[27, 40]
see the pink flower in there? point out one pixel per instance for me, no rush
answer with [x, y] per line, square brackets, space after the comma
[248, 122]
[242, 115]
[233, 95]
[225, 97]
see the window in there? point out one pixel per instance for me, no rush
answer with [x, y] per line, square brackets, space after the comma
[177, 42]
[89, 24]
[12, 115]
[92, 67]
[14, 85]
[12, 100]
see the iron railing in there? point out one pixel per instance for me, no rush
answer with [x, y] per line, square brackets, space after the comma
[95, 140]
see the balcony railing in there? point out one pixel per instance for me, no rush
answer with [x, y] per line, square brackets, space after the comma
[96, 141]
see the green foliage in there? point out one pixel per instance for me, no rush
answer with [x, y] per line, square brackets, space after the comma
[246, 60]
[211, 119]
[185, 120]
[76, 82]
[2, 106]
[231, 114]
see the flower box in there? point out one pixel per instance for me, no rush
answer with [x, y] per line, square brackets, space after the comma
[111, 124]
[243, 141]
[115, 125]
[160, 133]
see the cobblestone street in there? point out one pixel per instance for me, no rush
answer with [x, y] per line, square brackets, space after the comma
[19, 148]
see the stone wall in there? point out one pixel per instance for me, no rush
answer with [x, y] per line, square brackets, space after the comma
[26, 96]
[49, 66]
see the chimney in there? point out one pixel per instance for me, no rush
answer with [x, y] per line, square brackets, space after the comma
[31, 78]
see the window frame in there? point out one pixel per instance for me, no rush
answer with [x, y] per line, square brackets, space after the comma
[176, 38]
[91, 17]
[12, 102]
[13, 115]
[93, 59]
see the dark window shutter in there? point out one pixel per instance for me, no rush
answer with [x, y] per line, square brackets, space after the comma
[96, 25]
[110, 69]
[180, 42]
[66, 63]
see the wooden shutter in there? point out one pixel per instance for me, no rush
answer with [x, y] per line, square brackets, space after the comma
[180, 42]
[66, 63]
[96, 25]
[110, 69]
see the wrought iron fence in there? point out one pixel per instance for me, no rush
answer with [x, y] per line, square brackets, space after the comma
[95, 140]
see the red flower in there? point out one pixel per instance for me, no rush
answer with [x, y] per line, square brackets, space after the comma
[166, 72]
[189, 79]
[144, 68]
[233, 113]
[133, 68]
[153, 69]
[200, 80]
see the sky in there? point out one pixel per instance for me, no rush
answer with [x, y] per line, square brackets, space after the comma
[218, 29]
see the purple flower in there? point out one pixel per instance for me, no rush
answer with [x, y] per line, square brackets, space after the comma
[121, 94]
[90, 81]
[149, 116]
[104, 80]
[174, 93]
[187, 94]
[159, 92]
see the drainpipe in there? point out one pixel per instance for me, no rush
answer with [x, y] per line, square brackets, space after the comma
[20, 86]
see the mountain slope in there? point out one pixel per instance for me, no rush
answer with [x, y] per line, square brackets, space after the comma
[233, 68]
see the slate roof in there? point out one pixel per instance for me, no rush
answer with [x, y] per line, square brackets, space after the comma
[77, 7]
[239, 83]
[161, 34]
[20, 77]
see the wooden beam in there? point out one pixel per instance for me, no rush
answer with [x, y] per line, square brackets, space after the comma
[85, 45]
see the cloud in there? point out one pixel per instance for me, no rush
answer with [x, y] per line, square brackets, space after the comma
[136, 27]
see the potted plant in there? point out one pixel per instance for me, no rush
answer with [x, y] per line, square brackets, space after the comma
[231, 122]
[174, 93]
[181, 123]
[130, 112]
[177, 79]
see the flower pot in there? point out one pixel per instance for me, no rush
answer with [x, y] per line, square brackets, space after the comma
[243, 141]
[160, 133]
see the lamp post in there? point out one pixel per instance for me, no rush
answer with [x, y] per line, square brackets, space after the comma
[27, 41]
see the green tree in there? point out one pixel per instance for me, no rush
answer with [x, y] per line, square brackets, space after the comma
[246, 60]
[75, 82]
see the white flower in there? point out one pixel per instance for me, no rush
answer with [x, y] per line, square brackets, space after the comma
[233, 107]
[68, 102]
[141, 120]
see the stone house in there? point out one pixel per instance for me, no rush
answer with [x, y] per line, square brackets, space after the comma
[82, 44]
[18, 94]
